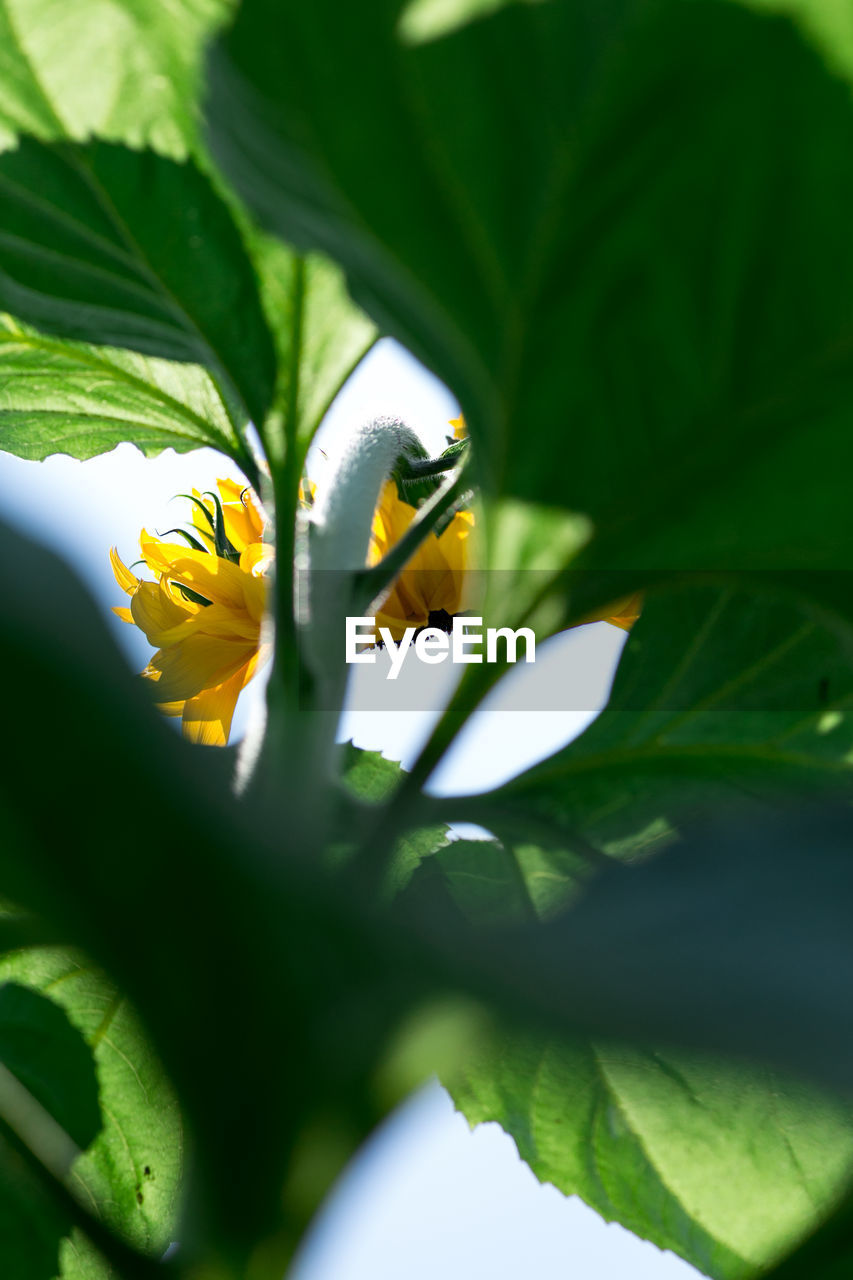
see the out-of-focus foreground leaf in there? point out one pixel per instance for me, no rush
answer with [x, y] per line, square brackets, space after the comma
[130, 1175]
[128, 249]
[369, 780]
[123, 69]
[43, 1052]
[218, 922]
[625, 294]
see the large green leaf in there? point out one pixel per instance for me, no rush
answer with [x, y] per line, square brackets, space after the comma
[637, 284]
[740, 925]
[128, 249]
[724, 692]
[727, 693]
[123, 69]
[67, 397]
[724, 1165]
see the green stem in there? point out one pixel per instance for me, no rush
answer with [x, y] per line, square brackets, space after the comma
[287, 474]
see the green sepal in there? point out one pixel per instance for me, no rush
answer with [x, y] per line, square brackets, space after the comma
[189, 594]
[223, 544]
[188, 538]
[202, 506]
[419, 476]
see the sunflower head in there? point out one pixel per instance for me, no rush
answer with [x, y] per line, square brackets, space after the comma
[203, 609]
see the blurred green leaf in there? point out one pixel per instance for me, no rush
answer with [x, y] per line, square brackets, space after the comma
[65, 397]
[643, 307]
[123, 69]
[422, 20]
[371, 779]
[128, 249]
[825, 1255]
[725, 1165]
[43, 1050]
[369, 775]
[724, 693]
[131, 1173]
[494, 883]
[46, 1054]
[206, 903]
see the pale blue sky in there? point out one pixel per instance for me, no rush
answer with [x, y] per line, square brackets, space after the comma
[427, 1198]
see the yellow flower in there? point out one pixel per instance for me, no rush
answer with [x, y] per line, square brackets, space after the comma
[433, 580]
[460, 431]
[203, 613]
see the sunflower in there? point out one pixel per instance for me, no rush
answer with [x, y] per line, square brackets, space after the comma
[204, 610]
[433, 581]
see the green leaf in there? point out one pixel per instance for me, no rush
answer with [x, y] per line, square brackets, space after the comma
[130, 1174]
[128, 249]
[725, 1165]
[65, 397]
[123, 69]
[49, 1057]
[493, 883]
[423, 20]
[723, 693]
[40, 1047]
[642, 303]
[369, 775]
[189, 896]
[320, 337]
[734, 940]
[371, 779]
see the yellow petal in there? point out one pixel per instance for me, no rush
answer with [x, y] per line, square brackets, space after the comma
[626, 612]
[200, 523]
[194, 664]
[257, 558]
[125, 579]
[622, 613]
[243, 522]
[391, 519]
[460, 430]
[155, 611]
[207, 717]
[214, 578]
[216, 621]
[122, 612]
